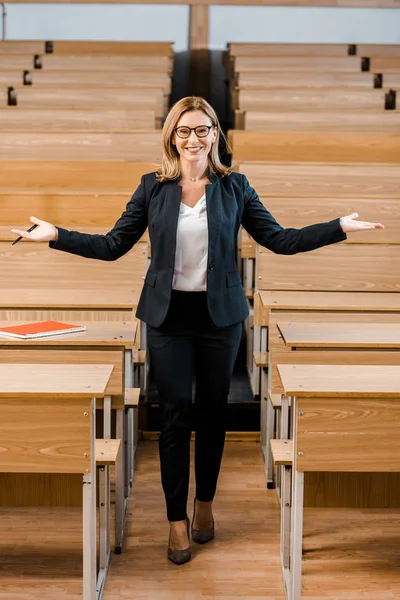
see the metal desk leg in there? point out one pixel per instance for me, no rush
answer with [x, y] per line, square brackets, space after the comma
[129, 442]
[89, 518]
[104, 526]
[296, 523]
[119, 487]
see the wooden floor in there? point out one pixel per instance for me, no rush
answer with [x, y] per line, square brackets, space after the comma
[348, 554]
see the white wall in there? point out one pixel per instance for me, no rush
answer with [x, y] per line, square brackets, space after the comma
[158, 22]
[303, 24]
[151, 22]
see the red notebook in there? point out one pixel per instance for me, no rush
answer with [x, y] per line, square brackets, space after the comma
[42, 329]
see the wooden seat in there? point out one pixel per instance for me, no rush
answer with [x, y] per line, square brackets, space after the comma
[35, 268]
[87, 62]
[17, 61]
[110, 48]
[8, 77]
[87, 97]
[68, 176]
[315, 147]
[324, 179]
[350, 64]
[310, 99]
[107, 451]
[295, 50]
[86, 47]
[120, 120]
[282, 452]
[131, 399]
[260, 359]
[140, 145]
[121, 79]
[267, 80]
[140, 357]
[274, 399]
[327, 121]
[376, 50]
[383, 65]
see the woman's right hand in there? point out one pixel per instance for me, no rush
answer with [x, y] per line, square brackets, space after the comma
[44, 232]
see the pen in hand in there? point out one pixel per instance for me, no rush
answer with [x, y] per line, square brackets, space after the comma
[28, 230]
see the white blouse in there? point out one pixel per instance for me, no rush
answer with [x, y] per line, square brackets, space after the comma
[190, 273]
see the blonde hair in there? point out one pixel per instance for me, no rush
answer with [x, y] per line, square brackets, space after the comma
[170, 168]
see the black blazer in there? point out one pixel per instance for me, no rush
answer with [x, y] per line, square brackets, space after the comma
[231, 202]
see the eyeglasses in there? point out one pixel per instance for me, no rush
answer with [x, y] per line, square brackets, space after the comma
[201, 131]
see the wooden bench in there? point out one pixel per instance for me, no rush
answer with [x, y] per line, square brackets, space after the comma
[68, 176]
[17, 61]
[90, 97]
[323, 179]
[391, 80]
[83, 119]
[351, 64]
[110, 48]
[86, 47]
[85, 62]
[296, 212]
[75, 277]
[384, 65]
[327, 121]
[308, 99]
[267, 80]
[9, 77]
[92, 213]
[314, 147]
[55, 408]
[121, 79]
[376, 50]
[140, 145]
[281, 49]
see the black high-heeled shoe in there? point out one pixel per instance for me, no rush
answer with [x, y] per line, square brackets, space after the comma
[179, 557]
[202, 536]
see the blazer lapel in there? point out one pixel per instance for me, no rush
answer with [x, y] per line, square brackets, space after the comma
[213, 212]
[174, 197]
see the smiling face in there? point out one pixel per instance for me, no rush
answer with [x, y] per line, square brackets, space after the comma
[194, 148]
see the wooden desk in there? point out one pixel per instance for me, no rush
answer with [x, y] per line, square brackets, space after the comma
[47, 425]
[340, 335]
[345, 418]
[103, 343]
[279, 306]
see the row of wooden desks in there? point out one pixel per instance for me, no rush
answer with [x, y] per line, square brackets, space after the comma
[345, 418]
[103, 342]
[48, 425]
[339, 382]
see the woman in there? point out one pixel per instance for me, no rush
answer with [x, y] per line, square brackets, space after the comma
[192, 300]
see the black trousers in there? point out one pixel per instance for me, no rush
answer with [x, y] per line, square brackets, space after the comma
[186, 346]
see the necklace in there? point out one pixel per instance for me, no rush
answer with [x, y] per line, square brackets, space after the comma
[195, 179]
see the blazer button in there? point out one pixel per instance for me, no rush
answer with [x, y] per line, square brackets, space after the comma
[211, 267]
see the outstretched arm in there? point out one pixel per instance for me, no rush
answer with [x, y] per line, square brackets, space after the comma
[262, 226]
[126, 232]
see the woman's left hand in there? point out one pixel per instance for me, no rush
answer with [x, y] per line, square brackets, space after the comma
[349, 224]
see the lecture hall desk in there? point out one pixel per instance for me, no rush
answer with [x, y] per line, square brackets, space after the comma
[273, 306]
[104, 342]
[338, 343]
[345, 418]
[47, 425]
